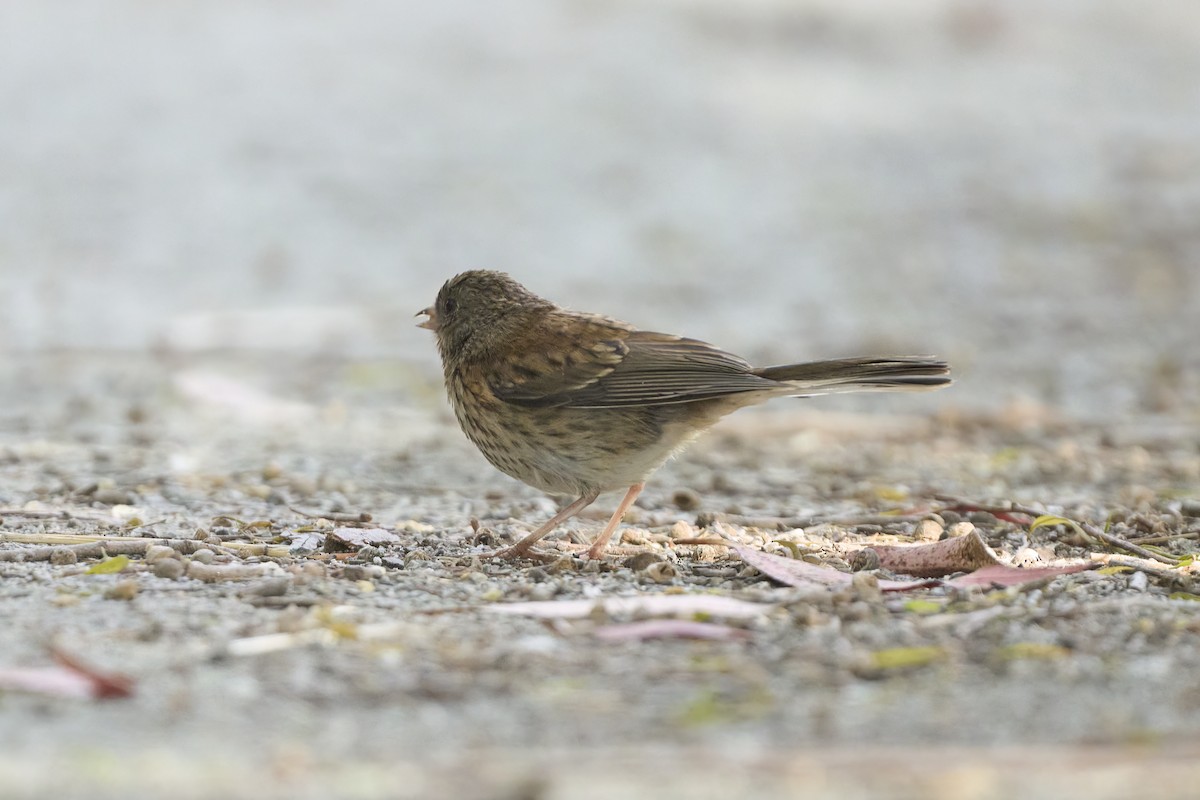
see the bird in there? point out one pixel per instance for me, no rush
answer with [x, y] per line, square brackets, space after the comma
[577, 404]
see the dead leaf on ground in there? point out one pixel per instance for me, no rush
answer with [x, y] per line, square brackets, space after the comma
[795, 572]
[358, 538]
[933, 560]
[669, 629]
[1000, 575]
[68, 678]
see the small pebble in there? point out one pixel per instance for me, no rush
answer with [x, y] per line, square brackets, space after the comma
[170, 568]
[204, 555]
[63, 555]
[1139, 582]
[927, 530]
[682, 530]
[641, 561]
[1190, 507]
[865, 559]
[1026, 557]
[271, 587]
[114, 497]
[126, 590]
[686, 500]
[661, 572]
[365, 572]
[865, 586]
[959, 529]
[158, 552]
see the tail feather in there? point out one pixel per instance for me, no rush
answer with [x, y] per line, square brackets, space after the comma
[898, 374]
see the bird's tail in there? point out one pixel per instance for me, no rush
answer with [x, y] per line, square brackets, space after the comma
[898, 374]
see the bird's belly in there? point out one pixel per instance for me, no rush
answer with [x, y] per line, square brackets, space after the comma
[570, 451]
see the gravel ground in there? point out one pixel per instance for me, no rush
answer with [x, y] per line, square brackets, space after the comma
[217, 219]
[385, 673]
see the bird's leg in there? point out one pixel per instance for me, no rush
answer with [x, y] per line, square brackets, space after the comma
[598, 546]
[522, 547]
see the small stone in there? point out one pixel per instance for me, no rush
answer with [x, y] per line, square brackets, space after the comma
[114, 497]
[661, 572]
[1190, 507]
[686, 500]
[204, 555]
[271, 587]
[865, 559]
[959, 529]
[640, 561]
[170, 568]
[865, 586]
[682, 530]
[1139, 582]
[367, 572]
[63, 555]
[123, 590]
[1026, 557]
[927, 530]
[158, 552]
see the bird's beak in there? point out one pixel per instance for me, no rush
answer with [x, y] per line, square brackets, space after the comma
[428, 324]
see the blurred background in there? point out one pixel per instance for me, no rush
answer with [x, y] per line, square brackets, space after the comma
[1013, 186]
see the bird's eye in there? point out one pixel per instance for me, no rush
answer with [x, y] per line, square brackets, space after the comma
[449, 305]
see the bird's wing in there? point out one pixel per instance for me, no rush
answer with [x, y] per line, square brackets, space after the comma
[611, 366]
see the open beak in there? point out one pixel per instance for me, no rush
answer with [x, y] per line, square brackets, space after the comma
[428, 324]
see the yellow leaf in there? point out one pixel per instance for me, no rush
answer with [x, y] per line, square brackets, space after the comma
[906, 657]
[1023, 650]
[891, 494]
[1047, 520]
[1183, 596]
[923, 606]
[1113, 570]
[109, 566]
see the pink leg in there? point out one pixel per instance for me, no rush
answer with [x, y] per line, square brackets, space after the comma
[598, 546]
[522, 547]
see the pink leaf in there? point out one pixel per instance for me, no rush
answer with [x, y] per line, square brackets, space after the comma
[959, 554]
[669, 628]
[999, 575]
[69, 678]
[794, 572]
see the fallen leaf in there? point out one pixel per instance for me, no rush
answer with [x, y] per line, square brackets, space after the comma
[358, 538]
[1031, 650]
[695, 605]
[920, 606]
[793, 572]
[999, 575]
[305, 542]
[109, 566]
[1050, 520]
[69, 678]
[904, 658]
[669, 629]
[958, 554]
